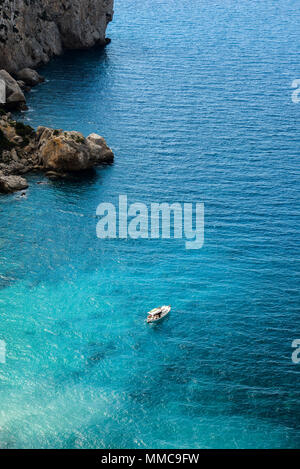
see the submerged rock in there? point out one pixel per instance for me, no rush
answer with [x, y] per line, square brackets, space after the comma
[53, 175]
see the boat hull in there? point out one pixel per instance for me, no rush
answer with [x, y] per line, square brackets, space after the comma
[162, 314]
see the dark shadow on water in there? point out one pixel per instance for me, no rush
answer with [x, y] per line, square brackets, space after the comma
[73, 66]
[76, 59]
[6, 282]
[81, 177]
[79, 181]
[98, 352]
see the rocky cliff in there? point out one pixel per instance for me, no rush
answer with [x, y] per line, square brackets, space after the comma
[32, 31]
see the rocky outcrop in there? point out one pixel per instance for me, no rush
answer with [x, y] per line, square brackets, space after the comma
[12, 183]
[69, 151]
[55, 152]
[15, 98]
[95, 142]
[29, 77]
[32, 31]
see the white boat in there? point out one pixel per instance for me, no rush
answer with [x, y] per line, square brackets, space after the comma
[157, 314]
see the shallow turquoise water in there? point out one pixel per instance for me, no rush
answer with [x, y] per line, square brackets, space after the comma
[195, 99]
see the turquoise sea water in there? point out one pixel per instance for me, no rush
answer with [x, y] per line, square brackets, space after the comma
[194, 97]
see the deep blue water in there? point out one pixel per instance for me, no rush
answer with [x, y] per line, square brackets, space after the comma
[194, 97]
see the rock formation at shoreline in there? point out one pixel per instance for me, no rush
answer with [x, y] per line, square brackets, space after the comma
[14, 97]
[55, 152]
[32, 31]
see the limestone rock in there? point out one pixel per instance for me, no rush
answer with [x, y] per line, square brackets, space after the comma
[23, 85]
[30, 77]
[56, 152]
[14, 96]
[12, 183]
[18, 146]
[62, 151]
[33, 31]
[98, 146]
